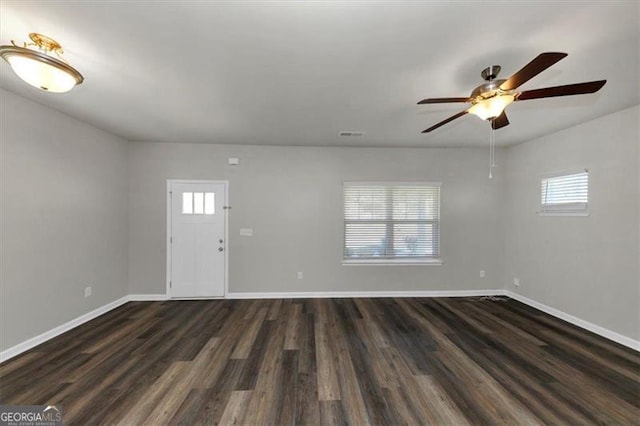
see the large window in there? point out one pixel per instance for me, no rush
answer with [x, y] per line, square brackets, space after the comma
[391, 222]
[565, 194]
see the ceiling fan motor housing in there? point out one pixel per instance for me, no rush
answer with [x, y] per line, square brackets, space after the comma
[487, 90]
[490, 73]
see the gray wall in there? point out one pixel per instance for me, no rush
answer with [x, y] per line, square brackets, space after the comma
[82, 207]
[292, 198]
[64, 220]
[583, 266]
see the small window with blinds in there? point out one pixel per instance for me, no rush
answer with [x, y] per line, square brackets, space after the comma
[391, 222]
[565, 195]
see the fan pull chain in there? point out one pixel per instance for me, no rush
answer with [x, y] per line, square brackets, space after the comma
[492, 152]
[493, 148]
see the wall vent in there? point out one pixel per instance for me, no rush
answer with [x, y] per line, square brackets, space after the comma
[351, 133]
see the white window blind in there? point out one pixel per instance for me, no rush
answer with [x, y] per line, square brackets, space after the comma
[565, 194]
[391, 221]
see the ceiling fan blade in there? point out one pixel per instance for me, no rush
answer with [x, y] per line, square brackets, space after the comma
[442, 100]
[443, 122]
[533, 68]
[568, 90]
[500, 121]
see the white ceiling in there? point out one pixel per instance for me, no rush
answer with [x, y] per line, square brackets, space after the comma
[298, 72]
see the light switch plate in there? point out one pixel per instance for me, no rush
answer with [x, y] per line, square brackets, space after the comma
[246, 232]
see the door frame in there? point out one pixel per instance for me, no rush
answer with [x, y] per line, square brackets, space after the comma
[226, 233]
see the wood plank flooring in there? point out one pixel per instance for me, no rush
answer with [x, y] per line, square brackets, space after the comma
[329, 361]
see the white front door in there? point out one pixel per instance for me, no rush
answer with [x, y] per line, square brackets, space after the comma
[197, 239]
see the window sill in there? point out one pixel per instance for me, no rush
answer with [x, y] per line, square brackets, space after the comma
[564, 213]
[392, 262]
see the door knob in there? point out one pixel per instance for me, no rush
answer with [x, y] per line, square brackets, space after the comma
[220, 249]
[220, 241]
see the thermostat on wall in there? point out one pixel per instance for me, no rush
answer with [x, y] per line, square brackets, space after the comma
[234, 161]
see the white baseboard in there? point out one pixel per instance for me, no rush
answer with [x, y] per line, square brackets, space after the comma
[601, 331]
[147, 297]
[41, 338]
[347, 294]
[611, 335]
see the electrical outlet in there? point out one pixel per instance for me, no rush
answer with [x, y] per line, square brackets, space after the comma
[516, 282]
[483, 274]
[87, 291]
[300, 275]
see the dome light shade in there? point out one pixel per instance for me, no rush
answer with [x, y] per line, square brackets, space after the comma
[40, 68]
[491, 107]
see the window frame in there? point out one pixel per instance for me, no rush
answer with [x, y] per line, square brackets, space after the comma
[389, 224]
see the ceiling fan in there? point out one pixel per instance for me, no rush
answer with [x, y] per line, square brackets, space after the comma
[489, 100]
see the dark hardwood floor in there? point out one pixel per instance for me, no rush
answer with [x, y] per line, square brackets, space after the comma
[329, 361]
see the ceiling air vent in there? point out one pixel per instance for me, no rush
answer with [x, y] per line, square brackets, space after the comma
[351, 133]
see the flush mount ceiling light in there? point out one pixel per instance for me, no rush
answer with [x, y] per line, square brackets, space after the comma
[41, 64]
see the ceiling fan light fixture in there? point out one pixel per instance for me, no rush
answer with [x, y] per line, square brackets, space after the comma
[492, 107]
[41, 65]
